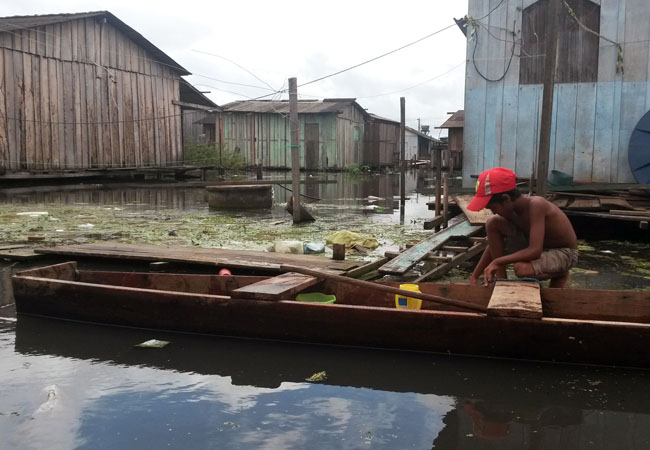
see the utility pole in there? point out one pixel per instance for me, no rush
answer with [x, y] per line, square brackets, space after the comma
[402, 153]
[295, 147]
[419, 127]
[550, 61]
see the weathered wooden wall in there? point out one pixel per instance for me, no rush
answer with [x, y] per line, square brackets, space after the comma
[80, 95]
[412, 145]
[381, 143]
[592, 122]
[194, 133]
[264, 138]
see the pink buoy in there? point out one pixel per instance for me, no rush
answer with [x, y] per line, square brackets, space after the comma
[224, 272]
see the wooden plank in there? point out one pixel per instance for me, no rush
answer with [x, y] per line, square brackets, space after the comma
[4, 145]
[60, 105]
[79, 148]
[617, 203]
[516, 299]
[585, 204]
[206, 256]
[10, 104]
[431, 257]
[37, 125]
[29, 155]
[645, 213]
[283, 286]
[442, 269]
[603, 133]
[68, 114]
[474, 217]
[20, 254]
[508, 150]
[527, 130]
[584, 134]
[135, 116]
[402, 263]
[19, 85]
[366, 268]
[565, 127]
[604, 187]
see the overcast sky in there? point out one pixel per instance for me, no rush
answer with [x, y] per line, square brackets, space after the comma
[259, 44]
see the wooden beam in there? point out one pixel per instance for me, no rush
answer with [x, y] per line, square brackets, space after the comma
[281, 287]
[402, 263]
[516, 299]
[194, 106]
[550, 60]
[431, 257]
[442, 269]
[366, 268]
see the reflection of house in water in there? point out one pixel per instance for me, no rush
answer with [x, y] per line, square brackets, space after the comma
[490, 424]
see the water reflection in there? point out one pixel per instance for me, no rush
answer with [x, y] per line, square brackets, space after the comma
[206, 392]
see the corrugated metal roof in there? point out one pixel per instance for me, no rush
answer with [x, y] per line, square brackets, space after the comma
[325, 106]
[190, 94]
[457, 120]
[383, 119]
[13, 23]
[421, 134]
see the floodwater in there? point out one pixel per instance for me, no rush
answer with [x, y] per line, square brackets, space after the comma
[72, 385]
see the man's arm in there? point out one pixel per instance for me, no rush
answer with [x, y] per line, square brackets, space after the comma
[486, 258]
[535, 244]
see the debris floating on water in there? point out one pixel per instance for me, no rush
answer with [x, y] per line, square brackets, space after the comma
[152, 343]
[318, 376]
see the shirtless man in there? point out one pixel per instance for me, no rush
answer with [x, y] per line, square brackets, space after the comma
[529, 232]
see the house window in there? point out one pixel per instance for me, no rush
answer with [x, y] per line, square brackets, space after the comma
[577, 48]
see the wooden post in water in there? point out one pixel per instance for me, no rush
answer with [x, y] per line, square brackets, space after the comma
[445, 199]
[295, 147]
[550, 61]
[438, 163]
[402, 157]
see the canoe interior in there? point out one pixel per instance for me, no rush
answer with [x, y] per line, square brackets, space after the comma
[573, 304]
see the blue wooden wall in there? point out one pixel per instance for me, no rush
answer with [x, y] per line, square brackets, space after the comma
[592, 122]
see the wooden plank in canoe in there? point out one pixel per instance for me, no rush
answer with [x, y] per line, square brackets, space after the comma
[474, 217]
[516, 299]
[219, 257]
[407, 259]
[282, 286]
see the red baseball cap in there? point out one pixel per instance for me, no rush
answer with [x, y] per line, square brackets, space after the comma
[492, 181]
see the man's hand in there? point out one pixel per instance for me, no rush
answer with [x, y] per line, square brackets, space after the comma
[473, 281]
[490, 273]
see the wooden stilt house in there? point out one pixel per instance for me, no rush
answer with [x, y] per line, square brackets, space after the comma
[84, 91]
[601, 86]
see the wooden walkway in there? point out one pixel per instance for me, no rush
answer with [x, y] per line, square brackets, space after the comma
[407, 259]
[195, 255]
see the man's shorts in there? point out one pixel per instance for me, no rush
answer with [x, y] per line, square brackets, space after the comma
[552, 260]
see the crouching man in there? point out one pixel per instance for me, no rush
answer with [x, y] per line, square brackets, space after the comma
[529, 232]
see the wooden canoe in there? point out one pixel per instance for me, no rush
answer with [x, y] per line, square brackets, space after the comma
[577, 325]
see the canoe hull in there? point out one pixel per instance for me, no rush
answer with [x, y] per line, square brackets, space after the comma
[562, 340]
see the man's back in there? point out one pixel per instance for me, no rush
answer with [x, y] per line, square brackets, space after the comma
[558, 231]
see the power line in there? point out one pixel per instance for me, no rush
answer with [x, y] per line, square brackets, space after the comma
[417, 85]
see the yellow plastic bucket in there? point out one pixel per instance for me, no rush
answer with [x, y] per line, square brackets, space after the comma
[402, 302]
